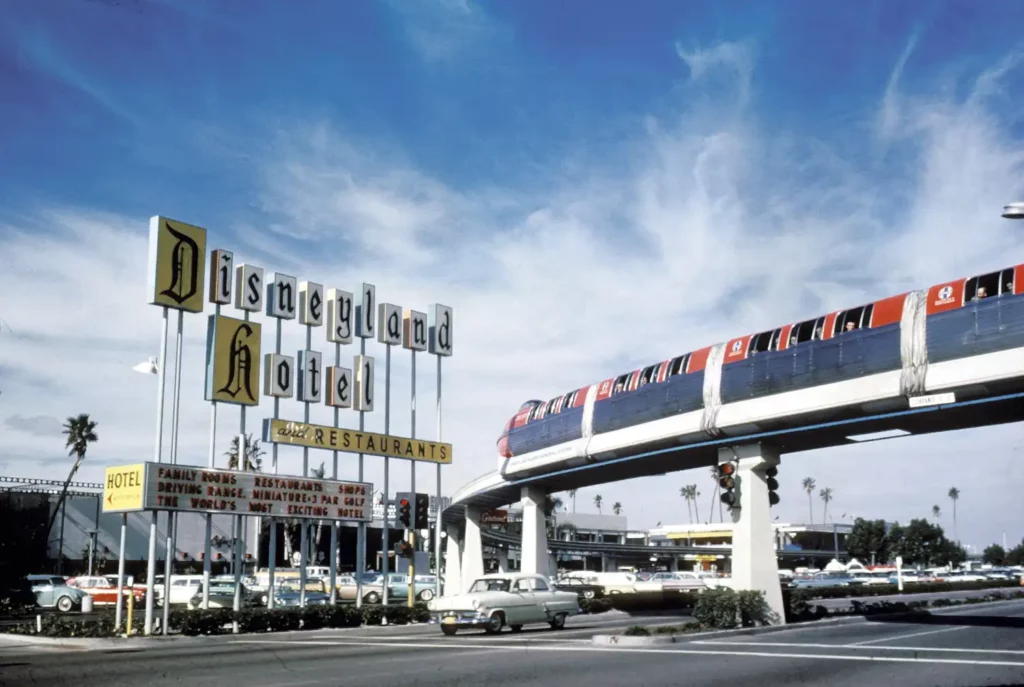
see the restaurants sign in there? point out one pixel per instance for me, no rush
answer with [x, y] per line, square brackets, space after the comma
[199, 490]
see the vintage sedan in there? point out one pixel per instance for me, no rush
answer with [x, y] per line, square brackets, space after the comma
[512, 599]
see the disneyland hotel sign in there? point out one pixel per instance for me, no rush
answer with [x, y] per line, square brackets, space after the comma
[236, 363]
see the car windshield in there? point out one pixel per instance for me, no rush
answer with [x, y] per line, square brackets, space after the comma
[491, 585]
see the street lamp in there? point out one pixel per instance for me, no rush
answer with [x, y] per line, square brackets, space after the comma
[1013, 211]
[148, 368]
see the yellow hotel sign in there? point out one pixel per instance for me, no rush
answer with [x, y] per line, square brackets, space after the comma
[352, 441]
[177, 264]
[123, 487]
[233, 361]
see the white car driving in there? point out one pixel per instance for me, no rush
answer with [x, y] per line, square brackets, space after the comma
[512, 599]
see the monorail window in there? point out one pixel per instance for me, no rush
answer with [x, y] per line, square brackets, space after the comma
[536, 410]
[801, 332]
[865, 319]
[645, 376]
[1006, 282]
[677, 365]
[552, 405]
[762, 342]
[985, 286]
[848, 321]
[620, 384]
[570, 399]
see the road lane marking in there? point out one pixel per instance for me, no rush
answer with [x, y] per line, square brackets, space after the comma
[1014, 652]
[912, 634]
[635, 650]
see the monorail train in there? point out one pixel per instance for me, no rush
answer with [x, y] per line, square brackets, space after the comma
[954, 336]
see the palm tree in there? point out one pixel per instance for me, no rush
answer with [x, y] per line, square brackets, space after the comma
[936, 512]
[551, 504]
[809, 485]
[826, 496]
[694, 494]
[253, 454]
[617, 508]
[81, 432]
[572, 495]
[597, 502]
[954, 496]
[685, 493]
[714, 495]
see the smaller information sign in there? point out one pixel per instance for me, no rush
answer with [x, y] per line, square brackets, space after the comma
[184, 488]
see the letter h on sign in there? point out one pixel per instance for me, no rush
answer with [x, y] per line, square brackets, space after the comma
[389, 324]
[364, 383]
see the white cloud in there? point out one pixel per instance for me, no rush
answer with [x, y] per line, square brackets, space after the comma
[705, 228]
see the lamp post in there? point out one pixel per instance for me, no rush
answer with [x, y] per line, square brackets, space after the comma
[1014, 211]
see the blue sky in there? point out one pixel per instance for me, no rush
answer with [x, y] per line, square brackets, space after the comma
[592, 185]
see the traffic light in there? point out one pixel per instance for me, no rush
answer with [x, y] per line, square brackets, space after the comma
[421, 519]
[728, 483]
[773, 485]
[405, 510]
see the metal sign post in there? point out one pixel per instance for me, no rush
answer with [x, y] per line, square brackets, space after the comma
[366, 323]
[441, 322]
[389, 333]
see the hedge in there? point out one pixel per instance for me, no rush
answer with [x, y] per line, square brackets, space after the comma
[908, 588]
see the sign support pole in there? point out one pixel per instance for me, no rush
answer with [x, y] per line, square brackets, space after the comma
[303, 523]
[385, 532]
[120, 573]
[207, 563]
[438, 509]
[158, 456]
[171, 520]
[361, 531]
[272, 549]
[236, 564]
[412, 487]
[334, 525]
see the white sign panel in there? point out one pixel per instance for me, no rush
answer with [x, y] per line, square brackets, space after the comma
[339, 387]
[414, 330]
[440, 329]
[389, 324]
[340, 316]
[221, 268]
[311, 304]
[932, 400]
[281, 297]
[278, 373]
[311, 376]
[367, 311]
[249, 287]
[199, 490]
[363, 400]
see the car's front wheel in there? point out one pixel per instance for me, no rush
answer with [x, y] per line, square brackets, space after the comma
[558, 622]
[426, 595]
[449, 630]
[65, 604]
[372, 598]
[588, 594]
[494, 623]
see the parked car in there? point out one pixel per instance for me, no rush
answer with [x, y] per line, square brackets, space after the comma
[582, 588]
[222, 595]
[347, 588]
[672, 581]
[826, 579]
[496, 600]
[289, 593]
[102, 591]
[54, 592]
[398, 586]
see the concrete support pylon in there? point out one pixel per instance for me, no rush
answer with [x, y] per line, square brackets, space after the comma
[452, 561]
[503, 560]
[535, 533]
[755, 563]
[472, 549]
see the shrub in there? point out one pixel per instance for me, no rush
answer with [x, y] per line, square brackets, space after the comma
[200, 622]
[653, 601]
[723, 608]
[637, 631]
[595, 605]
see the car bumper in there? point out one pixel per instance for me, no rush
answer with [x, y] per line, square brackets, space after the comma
[459, 618]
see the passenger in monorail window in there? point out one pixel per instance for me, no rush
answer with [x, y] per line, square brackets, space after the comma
[618, 387]
[850, 326]
[1008, 287]
[792, 341]
[982, 293]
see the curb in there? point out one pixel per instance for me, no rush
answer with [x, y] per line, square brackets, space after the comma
[623, 640]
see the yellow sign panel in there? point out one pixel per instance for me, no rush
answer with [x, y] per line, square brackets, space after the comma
[352, 441]
[233, 361]
[123, 488]
[177, 264]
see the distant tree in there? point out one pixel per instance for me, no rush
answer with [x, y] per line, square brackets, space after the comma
[936, 512]
[1015, 556]
[923, 543]
[954, 496]
[809, 485]
[597, 502]
[551, 504]
[253, 454]
[318, 473]
[685, 493]
[617, 508]
[572, 495]
[995, 554]
[81, 432]
[695, 494]
[826, 497]
[867, 540]
[714, 496]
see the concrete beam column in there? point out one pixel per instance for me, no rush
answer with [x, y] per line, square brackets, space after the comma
[755, 564]
[535, 535]
[503, 560]
[472, 549]
[452, 561]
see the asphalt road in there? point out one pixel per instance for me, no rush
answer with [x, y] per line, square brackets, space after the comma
[959, 647]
